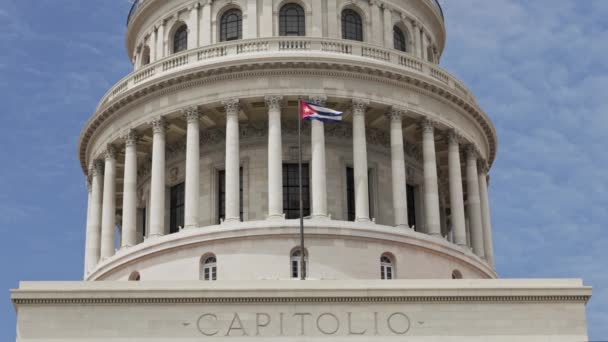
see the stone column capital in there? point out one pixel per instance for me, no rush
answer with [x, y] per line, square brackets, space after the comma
[110, 152]
[426, 125]
[191, 114]
[318, 99]
[360, 106]
[131, 138]
[273, 102]
[395, 114]
[471, 152]
[97, 168]
[453, 137]
[159, 125]
[89, 185]
[232, 106]
[482, 166]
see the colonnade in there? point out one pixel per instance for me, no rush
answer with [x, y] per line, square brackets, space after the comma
[101, 218]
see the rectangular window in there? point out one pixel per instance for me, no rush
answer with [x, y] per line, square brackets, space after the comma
[411, 205]
[291, 191]
[350, 193]
[221, 195]
[176, 211]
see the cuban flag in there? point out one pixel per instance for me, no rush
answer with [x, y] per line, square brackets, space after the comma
[311, 111]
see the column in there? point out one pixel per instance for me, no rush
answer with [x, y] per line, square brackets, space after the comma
[333, 19]
[474, 202]
[431, 193]
[232, 160]
[129, 197]
[205, 24]
[153, 43]
[417, 37]
[360, 161]
[377, 26]
[251, 30]
[160, 44]
[157, 184]
[317, 18]
[318, 172]
[388, 28]
[398, 170]
[88, 232]
[93, 242]
[456, 195]
[275, 158]
[108, 212]
[193, 30]
[485, 216]
[192, 183]
[425, 44]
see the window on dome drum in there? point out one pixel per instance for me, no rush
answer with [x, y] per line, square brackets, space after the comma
[350, 193]
[180, 39]
[145, 56]
[231, 25]
[352, 28]
[291, 20]
[134, 276]
[430, 55]
[295, 264]
[456, 274]
[386, 268]
[399, 39]
[291, 191]
[221, 196]
[209, 269]
[176, 209]
[411, 205]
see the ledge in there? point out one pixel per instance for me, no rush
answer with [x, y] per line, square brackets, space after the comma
[277, 291]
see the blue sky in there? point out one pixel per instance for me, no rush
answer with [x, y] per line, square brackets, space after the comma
[539, 69]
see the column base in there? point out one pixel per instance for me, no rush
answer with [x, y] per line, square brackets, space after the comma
[363, 219]
[320, 217]
[190, 227]
[231, 220]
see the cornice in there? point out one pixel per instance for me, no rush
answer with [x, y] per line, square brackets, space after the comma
[319, 299]
[206, 75]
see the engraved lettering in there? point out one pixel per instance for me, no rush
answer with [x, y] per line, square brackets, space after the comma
[328, 331]
[201, 329]
[350, 326]
[258, 322]
[390, 319]
[302, 315]
[236, 319]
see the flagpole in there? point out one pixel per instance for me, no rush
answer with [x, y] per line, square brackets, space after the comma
[302, 250]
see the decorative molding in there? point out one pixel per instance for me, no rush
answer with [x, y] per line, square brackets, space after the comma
[232, 106]
[131, 138]
[378, 137]
[288, 300]
[360, 106]
[273, 102]
[212, 137]
[191, 114]
[318, 99]
[110, 152]
[159, 125]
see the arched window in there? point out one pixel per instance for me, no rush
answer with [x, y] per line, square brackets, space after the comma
[352, 28]
[296, 257]
[456, 274]
[231, 25]
[386, 268]
[145, 56]
[291, 20]
[180, 39]
[399, 39]
[209, 268]
[134, 276]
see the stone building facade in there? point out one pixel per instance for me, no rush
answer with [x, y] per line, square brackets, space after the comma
[191, 164]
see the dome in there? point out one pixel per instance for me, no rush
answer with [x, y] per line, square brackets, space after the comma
[193, 159]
